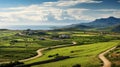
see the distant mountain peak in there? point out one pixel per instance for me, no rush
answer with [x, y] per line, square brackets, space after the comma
[104, 22]
[108, 18]
[112, 17]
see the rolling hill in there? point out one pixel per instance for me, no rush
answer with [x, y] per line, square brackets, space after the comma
[75, 27]
[116, 28]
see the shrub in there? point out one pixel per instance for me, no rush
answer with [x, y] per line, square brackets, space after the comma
[71, 51]
[118, 46]
[11, 64]
[57, 54]
[61, 57]
[113, 65]
[76, 65]
[50, 56]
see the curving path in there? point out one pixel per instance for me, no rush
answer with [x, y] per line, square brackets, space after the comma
[39, 52]
[106, 62]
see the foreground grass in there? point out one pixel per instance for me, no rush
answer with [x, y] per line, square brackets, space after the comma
[16, 53]
[86, 55]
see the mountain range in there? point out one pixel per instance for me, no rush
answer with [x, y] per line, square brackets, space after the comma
[109, 24]
[103, 22]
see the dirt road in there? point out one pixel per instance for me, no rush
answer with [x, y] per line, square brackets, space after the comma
[39, 52]
[106, 62]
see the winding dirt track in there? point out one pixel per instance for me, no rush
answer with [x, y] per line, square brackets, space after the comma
[39, 52]
[106, 62]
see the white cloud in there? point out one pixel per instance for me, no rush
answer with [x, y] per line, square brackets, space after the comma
[117, 13]
[62, 3]
[84, 1]
[13, 8]
[110, 12]
[38, 13]
[50, 11]
[106, 10]
[47, 4]
[77, 14]
[33, 13]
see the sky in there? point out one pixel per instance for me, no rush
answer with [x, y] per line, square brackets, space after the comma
[56, 12]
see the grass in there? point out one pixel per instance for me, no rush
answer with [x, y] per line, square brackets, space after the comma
[84, 55]
[16, 53]
[20, 51]
[7, 33]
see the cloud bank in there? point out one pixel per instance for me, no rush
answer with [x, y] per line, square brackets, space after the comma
[59, 11]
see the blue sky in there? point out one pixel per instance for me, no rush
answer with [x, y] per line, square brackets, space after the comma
[16, 3]
[56, 12]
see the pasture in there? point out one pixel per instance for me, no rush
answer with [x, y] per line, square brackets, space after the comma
[16, 47]
[85, 55]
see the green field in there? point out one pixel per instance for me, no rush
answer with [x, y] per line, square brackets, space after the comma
[7, 33]
[19, 50]
[86, 55]
[89, 44]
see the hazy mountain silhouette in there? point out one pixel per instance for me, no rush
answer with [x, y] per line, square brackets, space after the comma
[103, 22]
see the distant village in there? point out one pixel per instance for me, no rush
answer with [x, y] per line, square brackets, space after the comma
[42, 34]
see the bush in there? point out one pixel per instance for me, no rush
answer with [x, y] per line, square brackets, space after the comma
[11, 64]
[50, 56]
[71, 51]
[118, 46]
[61, 57]
[113, 65]
[76, 65]
[57, 54]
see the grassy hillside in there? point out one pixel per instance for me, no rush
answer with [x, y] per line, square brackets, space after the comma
[84, 55]
[7, 33]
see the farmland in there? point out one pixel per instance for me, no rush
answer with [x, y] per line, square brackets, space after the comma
[84, 55]
[19, 45]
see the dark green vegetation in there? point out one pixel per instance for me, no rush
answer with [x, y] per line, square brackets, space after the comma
[114, 56]
[84, 55]
[116, 28]
[17, 45]
[11, 64]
